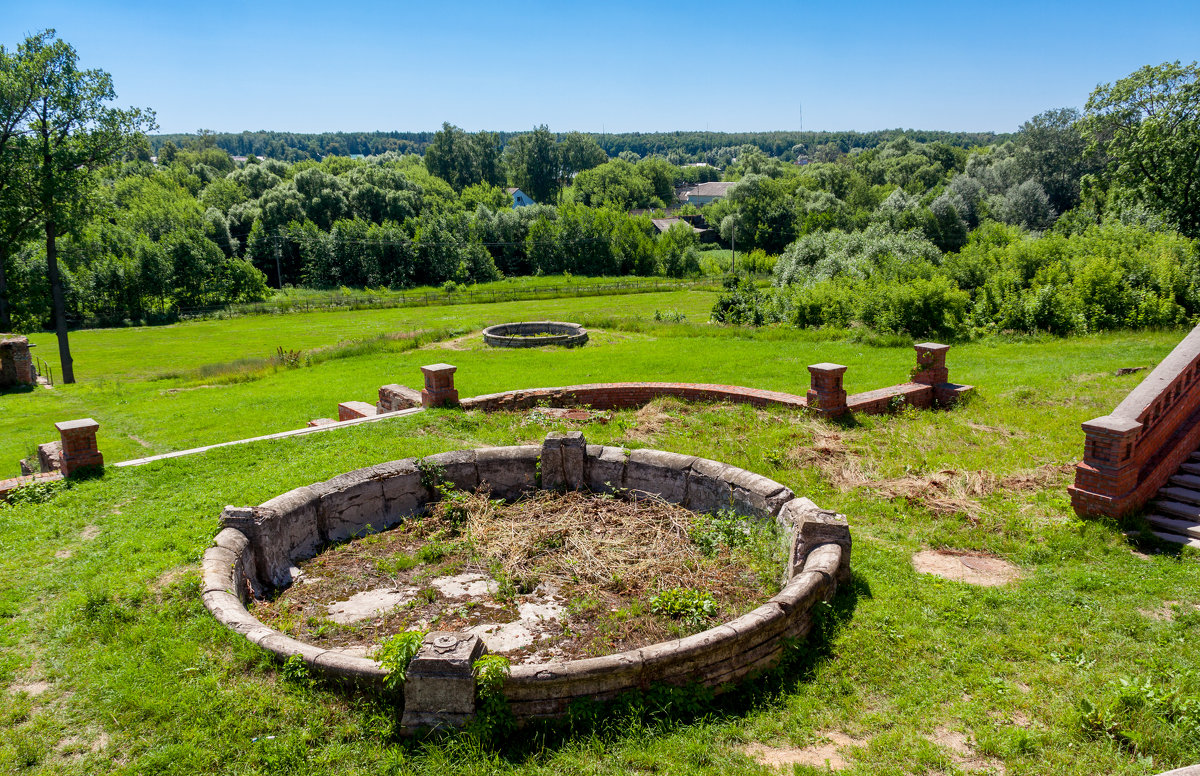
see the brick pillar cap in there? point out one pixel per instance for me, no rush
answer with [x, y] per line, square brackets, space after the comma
[75, 425]
[827, 367]
[435, 368]
[934, 346]
[1113, 424]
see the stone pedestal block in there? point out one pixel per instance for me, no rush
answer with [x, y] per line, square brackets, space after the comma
[439, 689]
[563, 457]
[439, 386]
[79, 444]
[931, 364]
[826, 394]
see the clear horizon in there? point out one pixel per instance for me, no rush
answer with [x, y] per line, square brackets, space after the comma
[621, 67]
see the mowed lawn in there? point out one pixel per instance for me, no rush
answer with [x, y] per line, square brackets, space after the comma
[1084, 664]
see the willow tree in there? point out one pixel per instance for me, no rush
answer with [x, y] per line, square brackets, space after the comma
[73, 132]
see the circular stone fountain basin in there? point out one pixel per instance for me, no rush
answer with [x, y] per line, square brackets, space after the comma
[535, 334]
[257, 549]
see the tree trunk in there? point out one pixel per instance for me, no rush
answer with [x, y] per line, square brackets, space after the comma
[60, 305]
[5, 315]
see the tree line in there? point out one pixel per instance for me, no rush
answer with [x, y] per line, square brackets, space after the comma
[679, 147]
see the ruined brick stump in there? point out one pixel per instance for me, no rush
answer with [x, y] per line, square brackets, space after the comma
[826, 395]
[439, 688]
[439, 386]
[16, 365]
[394, 397]
[351, 410]
[79, 445]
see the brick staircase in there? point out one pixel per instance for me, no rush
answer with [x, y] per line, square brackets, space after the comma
[1174, 515]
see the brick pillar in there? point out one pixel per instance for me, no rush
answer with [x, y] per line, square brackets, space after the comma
[825, 394]
[931, 364]
[1108, 476]
[15, 350]
[79, 444]
[439, 386]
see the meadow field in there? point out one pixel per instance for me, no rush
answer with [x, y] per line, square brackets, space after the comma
[1082, 664]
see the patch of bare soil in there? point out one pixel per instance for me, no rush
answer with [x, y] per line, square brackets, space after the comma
[31, 688]
[1168, 610]
[963, 753]
[89, 532]
[173, 391]
[828, 754]
[458, 343]
[972, 568]
[549, 577]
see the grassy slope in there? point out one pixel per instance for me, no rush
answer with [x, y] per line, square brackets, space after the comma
[115, 626]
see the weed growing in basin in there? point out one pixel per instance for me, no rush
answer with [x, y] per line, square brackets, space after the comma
[492, 714]
[692, 606]
[396, 653]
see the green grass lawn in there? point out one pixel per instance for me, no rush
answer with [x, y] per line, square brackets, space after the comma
[1084, 665]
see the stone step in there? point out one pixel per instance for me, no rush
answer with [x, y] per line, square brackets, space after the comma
[1185, 495]
[1195, 456]
[1186, 481]
[1190, 468]
[1171, 525]
[1176, 510]
[1177, 539]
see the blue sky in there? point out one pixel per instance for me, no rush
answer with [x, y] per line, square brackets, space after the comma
[618, 66]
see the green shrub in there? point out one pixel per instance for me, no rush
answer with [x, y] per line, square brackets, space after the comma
[691, 606]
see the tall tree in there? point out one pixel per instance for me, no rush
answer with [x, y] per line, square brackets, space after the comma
[533, 160]
[74, 132]
[463, 160]
[1052, 151]
[1148, 124]
[18, 219]
[577, 153]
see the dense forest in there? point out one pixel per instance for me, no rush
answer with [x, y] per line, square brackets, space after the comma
[1079, 221]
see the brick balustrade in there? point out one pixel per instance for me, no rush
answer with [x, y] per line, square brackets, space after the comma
[826, 396]
[1129, 454]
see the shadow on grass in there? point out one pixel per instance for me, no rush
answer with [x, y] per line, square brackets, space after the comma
[22, 388]
[1139, 535]
[662, 709]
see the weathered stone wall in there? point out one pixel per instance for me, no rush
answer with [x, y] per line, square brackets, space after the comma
[258, 546]
[1129, 454]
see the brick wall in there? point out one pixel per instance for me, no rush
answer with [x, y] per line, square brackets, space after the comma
[1129, 454]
